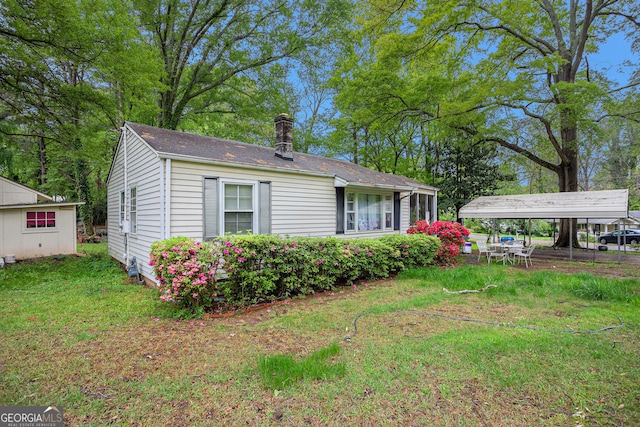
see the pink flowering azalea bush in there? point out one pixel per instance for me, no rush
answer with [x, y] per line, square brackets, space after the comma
[265, 268]
[186, 272]
[452, 236]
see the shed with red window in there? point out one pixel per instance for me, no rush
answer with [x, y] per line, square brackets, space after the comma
[32, 224]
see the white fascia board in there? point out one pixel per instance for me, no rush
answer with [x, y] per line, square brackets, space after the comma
[339, 182]
[123, 129]
[379, 186]
[41, 205]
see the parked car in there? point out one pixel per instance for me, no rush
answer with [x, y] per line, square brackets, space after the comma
[631, 236]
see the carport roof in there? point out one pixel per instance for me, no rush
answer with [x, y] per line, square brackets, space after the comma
[585, 204]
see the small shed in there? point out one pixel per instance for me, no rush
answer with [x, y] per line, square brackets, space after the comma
[33, 224]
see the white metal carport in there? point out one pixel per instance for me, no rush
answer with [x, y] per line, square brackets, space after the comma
[585, 204]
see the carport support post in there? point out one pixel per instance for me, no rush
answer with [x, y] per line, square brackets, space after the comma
[595, 245]
[619, 241]
[571, 239]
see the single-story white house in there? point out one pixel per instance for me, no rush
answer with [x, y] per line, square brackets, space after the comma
[33, 225]
[165, 183]
[607, 225]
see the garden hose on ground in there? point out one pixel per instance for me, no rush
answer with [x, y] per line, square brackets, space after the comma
[486, 322]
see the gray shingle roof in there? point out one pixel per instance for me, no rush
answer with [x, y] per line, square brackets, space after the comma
[169, 142]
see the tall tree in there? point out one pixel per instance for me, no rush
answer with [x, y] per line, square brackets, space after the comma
[387, 105]
[523, 61]
[70, 73]
[465, 172]
[209, 48]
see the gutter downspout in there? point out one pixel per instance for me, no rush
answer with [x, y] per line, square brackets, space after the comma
[126, 196]
[167, 202]
[162, 204]
[618, 240]
[571, 239]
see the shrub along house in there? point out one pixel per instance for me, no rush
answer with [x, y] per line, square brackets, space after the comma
[32, 224]
[165, 183]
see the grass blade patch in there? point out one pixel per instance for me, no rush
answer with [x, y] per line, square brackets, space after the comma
[594, 288]
[281, 371]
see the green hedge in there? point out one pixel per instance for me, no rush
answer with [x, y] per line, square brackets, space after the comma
[260, 268]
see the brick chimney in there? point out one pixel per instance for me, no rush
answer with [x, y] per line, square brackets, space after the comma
[284, 136]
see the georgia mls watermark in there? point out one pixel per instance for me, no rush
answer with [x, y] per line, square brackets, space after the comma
[31, 416]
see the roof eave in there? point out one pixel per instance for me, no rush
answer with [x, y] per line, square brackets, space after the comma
[40, 205]
[338, 181]
[207, 161]
[380, 186]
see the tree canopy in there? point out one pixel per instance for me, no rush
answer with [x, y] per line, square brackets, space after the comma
[515, 73]
[444, 92]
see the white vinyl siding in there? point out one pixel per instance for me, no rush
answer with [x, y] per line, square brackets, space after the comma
[301, 205]
[143, 175]
[404, 215]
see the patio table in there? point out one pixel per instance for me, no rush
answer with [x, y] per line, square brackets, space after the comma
[510, 249]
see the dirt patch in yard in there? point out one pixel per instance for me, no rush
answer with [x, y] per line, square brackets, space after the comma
[600, 263]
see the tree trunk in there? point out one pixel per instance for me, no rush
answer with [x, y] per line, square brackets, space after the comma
[43, 160]
[568, 178]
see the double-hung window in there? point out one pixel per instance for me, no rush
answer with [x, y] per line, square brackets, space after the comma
[238, 208]
[351, 212]
[388, 212]
[233, 206]
[122, 205]
[133, 211]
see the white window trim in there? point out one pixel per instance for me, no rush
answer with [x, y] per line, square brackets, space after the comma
[121, 207]
[25, 229]
[347, 212]
[383, 211]
[387, 201]
[133, 225]
[221, 203]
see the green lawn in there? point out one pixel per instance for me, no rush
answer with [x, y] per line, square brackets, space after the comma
[78, 334]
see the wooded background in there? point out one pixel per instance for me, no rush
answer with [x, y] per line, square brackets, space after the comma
[476, 98]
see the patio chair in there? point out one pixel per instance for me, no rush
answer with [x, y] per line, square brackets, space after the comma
[525, 254]
[503, 254]
[482, 248]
